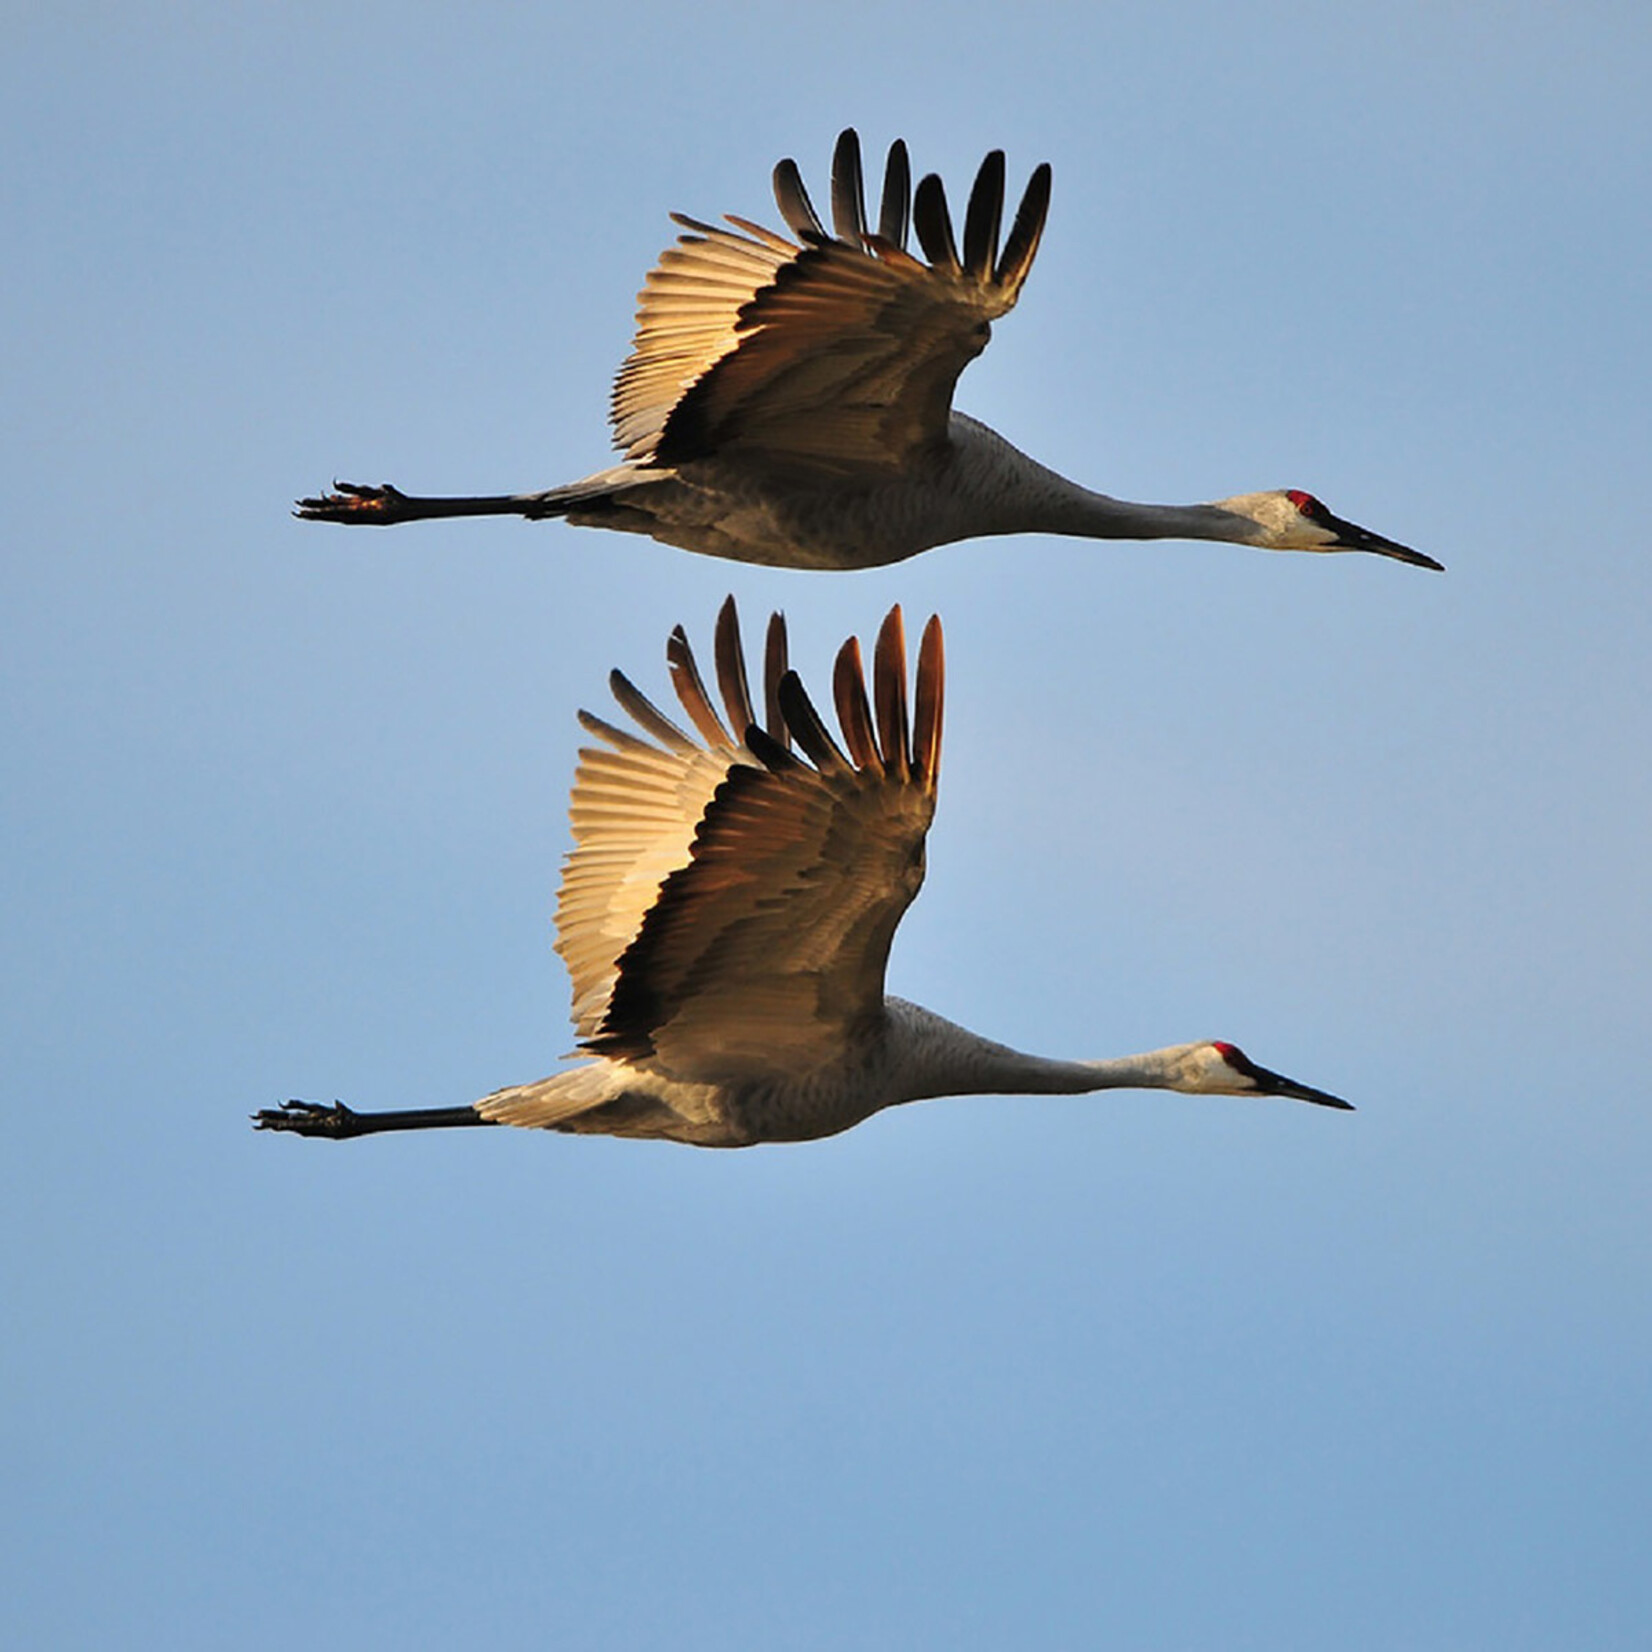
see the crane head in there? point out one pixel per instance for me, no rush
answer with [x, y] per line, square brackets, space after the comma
[1221, 1069]
[1288, 519]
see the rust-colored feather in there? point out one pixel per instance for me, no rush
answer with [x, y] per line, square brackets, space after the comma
[685, 678]
[731, 669]
[889, 692]
[929, 707]
[774, 668]
[854, 713]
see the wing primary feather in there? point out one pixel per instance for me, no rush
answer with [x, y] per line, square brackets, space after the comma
[811, 734]
[620, 739]
[769, 751]
[774, 668]
[702, 231]
[929, 705]
[854, 714]
[848, 191]
[793, 200]
[775, 243]
[895, 209]
[685, 678]
[982, 220]
[934, 225]
[889, 691]
[731, 669]
[643, 713]
[1022, 246]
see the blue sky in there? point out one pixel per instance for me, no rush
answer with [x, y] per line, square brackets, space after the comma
[284, 809]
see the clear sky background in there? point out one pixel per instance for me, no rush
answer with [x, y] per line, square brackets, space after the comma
[284, 805]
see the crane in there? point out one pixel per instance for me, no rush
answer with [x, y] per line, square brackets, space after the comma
[726, 915]
[789, 402]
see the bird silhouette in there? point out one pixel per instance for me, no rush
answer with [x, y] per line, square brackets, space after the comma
[726, 915]
[789, 401]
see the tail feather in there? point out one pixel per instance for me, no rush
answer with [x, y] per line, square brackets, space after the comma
[590, 493]
[550, 1103]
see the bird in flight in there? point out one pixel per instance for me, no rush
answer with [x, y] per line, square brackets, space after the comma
[726, 915]
[788, 401]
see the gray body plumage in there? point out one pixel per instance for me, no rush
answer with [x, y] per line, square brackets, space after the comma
[788, 401]
[891, 1059]
[726, 916]
[976, 485]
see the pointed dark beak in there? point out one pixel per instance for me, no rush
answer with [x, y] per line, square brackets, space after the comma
[1276, 1084]
[1352, 537]
[1270, 1083]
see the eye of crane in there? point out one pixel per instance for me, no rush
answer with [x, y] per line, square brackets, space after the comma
[1305, 502]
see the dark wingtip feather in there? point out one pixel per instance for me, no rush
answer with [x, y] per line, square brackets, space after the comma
[895, 209]
[774, 668]
[1022, 246]
[854, 711]
[934, 225]
[691, 691]
[848, 190]
[643, 712]
[982, 220]
[814, 739]
[930, 705]
[889, 693]
[769, 751]
[794, 203]
[731, 667]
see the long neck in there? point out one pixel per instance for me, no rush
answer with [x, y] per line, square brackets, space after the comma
[1079, 513]
[1016, 494]
[936, 1057]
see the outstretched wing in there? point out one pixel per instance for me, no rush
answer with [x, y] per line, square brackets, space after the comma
[838, 354]
[765, 950]
[637, 804]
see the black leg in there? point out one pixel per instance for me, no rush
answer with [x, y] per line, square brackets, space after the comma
[384, 506]
[338, 1122]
